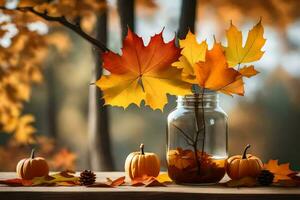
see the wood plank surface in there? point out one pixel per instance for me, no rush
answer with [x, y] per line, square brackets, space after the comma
[174, 192]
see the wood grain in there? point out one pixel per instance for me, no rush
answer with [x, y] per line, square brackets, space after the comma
[173, 192]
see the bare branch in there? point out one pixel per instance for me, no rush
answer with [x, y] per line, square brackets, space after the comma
[63, 21]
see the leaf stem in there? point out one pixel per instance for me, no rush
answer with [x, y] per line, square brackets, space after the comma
[32, 154]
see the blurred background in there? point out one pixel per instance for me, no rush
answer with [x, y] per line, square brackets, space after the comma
[47, 101]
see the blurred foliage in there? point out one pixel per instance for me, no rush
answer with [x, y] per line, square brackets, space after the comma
[57, 159]
[21, 61]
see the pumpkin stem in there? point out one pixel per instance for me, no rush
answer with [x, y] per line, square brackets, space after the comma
[245, 151]
[32, 154]
[142, 149]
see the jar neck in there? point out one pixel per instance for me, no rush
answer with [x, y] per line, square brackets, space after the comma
[207, 100]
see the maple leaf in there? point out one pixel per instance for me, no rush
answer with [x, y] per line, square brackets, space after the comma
[142, 73]
[192, 52]
[214, 73]
[180, 158]
[248, 71]
[281, 172]
[147, 181]
[164, 178]
[236, 53]
[109, 183]
[61, 178]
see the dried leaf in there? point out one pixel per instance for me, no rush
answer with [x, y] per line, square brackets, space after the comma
[164, 178]
[147, 181]
[180, 158]
[142, 73]
[110, 183]
[56, 179]
[281, 172]
[16, 182]
[243, 182]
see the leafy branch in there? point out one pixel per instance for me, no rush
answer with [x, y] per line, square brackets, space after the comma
[65, 22]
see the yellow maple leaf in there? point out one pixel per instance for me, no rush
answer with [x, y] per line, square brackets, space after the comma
[192, 53]
[164, 178]
[142, 73]
[236, 53]
[280, 172]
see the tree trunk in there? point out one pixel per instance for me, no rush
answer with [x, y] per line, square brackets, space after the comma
[51, 101]
[187, 17]
[126, 13]
[100, 155]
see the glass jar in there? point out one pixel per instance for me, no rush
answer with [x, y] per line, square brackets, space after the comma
[197, 140]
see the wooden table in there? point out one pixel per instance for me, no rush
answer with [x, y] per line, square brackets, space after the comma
[173, 192]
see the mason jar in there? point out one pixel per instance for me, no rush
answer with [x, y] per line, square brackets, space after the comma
[197, 140]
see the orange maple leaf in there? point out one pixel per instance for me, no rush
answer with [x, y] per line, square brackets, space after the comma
[179, 158]
[281, 172]
[214, 73]
[142, 73]
[147, 181]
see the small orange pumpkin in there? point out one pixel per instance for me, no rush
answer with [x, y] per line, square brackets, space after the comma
[139, 164]
[240, 166]
[28, 168]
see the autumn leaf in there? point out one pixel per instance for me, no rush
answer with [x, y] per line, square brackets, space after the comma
[16, 182]
[281, 172]
[236, 53]
[117, 182]
[214, 73]
[109, 183]
[30, 3]
[248, 71]
[192, 52]
[180, 158]
[147, 181]
[142, 73]
[56, 179]
[243, 182]
[164, 178]
[24, 132]
[64, 178]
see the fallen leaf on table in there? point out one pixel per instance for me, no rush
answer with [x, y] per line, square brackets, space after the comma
[109, 183]
[164, 178]
[147, 181]
[286, 183]
[60, 178]
[243, 182]
[16, 182]
[281, 172]
[116, 182]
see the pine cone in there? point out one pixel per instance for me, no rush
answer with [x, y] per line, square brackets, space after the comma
[265, 178]
[87, 177]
